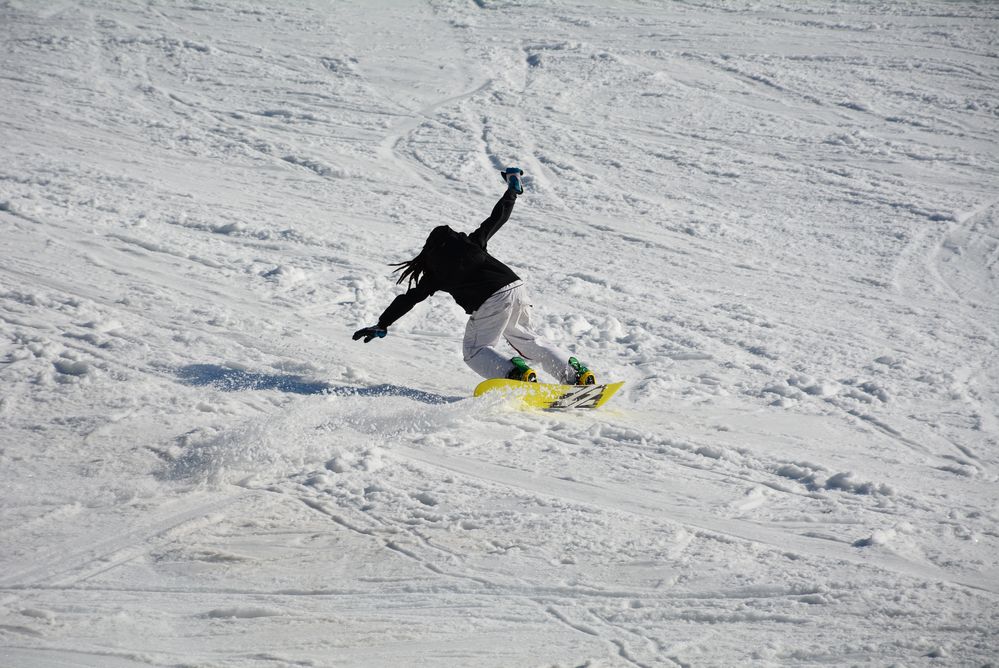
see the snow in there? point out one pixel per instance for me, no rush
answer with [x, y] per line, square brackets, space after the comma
[778, 223]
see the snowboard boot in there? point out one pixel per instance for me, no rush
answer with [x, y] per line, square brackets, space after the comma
[521, 371]
[583, 375]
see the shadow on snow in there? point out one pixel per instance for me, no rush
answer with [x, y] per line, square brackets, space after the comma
[236, 380]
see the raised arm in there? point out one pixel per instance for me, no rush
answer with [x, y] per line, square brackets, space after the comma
[501, 213]
[502, 210]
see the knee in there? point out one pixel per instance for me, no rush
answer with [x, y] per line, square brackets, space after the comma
[468, 352]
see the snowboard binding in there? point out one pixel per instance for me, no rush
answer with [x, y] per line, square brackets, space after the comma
[583, 375]
[521, 371]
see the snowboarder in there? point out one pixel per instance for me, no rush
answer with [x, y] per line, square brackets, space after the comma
[490, 292]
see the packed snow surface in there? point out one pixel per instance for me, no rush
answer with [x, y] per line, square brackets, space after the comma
[777, 222]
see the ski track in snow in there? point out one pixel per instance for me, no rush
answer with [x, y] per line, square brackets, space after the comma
[777, 223]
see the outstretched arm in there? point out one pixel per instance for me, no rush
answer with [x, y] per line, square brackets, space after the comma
[402, 304]
[399, 307]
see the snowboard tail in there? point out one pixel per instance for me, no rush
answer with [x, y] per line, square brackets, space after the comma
[550, 395]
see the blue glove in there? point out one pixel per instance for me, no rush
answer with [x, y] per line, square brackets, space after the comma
[370, 332]
[512, 177]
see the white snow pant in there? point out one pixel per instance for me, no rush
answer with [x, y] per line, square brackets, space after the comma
[506, 315]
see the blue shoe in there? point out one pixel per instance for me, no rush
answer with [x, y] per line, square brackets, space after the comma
[512, 177]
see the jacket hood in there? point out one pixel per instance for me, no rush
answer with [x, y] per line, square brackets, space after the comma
[438, 236]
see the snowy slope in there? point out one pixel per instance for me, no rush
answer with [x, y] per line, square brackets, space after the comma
[777, 222]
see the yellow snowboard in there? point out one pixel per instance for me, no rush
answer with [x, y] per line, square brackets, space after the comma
[549, 395]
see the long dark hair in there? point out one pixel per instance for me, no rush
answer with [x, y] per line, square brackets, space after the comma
[411, 270]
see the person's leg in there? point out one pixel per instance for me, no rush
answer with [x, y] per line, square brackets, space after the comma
[483, 333]
[521, 335]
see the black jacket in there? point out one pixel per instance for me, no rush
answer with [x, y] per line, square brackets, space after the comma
[458, 264]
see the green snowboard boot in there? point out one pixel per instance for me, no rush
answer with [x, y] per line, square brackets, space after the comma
[521, 371]
[583, 375]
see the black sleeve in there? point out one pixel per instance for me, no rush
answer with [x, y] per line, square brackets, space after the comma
[501, 213]
[402, 304]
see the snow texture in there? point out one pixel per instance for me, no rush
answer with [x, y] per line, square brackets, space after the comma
[777, 222]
